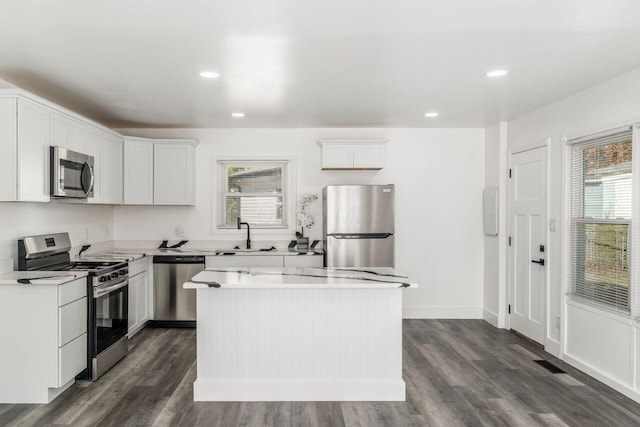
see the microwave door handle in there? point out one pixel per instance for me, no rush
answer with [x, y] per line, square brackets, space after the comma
[87, 190]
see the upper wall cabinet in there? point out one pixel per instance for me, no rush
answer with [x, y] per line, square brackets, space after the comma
[24, 150]
[340, 154]
[138, 171]
[106, 149]
[159, 172]
[174, 173]
[29, 125]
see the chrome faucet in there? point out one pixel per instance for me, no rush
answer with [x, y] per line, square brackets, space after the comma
[248, 232]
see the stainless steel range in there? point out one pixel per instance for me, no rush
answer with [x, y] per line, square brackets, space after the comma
[107, 289]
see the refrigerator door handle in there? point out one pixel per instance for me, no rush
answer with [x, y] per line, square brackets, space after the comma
[361, 235]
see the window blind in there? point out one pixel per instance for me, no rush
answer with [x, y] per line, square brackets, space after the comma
[255, 191]
[601, 209]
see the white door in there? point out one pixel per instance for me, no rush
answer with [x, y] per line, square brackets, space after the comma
[528, 250]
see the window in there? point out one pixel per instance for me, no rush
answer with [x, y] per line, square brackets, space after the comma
[601, 190]
[255, 191]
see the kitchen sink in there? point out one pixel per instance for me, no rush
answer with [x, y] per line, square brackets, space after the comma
[232, 251]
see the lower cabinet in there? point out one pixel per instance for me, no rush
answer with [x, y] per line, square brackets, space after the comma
[230, 261]
[139, 295]
[303, 261]
[44, 333]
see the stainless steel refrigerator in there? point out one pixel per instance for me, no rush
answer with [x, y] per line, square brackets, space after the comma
[358, 225]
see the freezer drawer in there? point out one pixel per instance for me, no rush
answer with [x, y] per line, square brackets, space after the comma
[347, 251]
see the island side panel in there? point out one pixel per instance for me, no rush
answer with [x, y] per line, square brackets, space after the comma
[299, 344]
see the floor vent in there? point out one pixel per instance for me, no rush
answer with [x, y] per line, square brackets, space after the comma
[550, 367]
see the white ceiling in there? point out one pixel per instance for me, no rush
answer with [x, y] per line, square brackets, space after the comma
[297, 63]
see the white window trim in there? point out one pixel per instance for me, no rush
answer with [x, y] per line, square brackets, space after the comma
[279, 233]
[566, 275]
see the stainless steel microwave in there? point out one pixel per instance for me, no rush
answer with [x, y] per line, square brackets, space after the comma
[71, 173]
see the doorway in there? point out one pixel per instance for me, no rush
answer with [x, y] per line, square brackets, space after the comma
[528, 243]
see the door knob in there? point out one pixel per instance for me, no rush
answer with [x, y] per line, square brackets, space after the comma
[541, 261]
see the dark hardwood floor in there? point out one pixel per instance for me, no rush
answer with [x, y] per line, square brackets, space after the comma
[458, 373]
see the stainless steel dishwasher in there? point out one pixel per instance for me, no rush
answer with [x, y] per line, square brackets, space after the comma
[175, 306]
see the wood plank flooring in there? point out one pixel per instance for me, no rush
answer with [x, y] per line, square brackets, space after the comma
[458, 373]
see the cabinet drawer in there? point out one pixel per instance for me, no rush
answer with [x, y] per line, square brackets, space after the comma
[73, 321]
[72, 291]
[72, 359]
[138, 266]
[303, 261]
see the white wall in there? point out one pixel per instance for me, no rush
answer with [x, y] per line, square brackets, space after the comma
[605, 106]
[495, 270]
[438, 173]
[29, 219]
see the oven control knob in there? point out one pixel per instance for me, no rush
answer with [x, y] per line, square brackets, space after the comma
[103, 279]
[114, 275]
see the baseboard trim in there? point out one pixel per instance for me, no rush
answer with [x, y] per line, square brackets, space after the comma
[597, 374]
[490, 317]
[298, 390]
[553, 347]
[446, 312]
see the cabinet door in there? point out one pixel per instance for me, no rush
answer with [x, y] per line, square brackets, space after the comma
[112, 168]
[337, 156]
[72, 359]
[142, 311]
[244, 261]
[138, 172]
[174, 174]
[303, 261]
[8, 149]
[368, 156]
[66, 133]
[33, 152]
[133, 306]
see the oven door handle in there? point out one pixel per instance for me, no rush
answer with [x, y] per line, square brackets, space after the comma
[98, 292]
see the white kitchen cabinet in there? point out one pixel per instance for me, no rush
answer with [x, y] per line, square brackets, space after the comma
[243, 261]
[24, 150]
[139, 295]
[138, 171]
[8, 149]
[45, 326]
[111, 169]
[174, 173]
[33, 152]
[67, 133]
[352, 154]
[303, 261]
[160, 172]
[337, 156]
[29, 125]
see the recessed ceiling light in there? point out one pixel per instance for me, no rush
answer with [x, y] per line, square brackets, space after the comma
[237, 114]
[431, 114]
[497, 73]
[209, 75]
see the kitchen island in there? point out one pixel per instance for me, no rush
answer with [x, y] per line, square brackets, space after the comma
[299, 334]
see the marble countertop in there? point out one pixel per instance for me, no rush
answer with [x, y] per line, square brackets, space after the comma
[41, 277]
[133, 254]
[305, 278]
